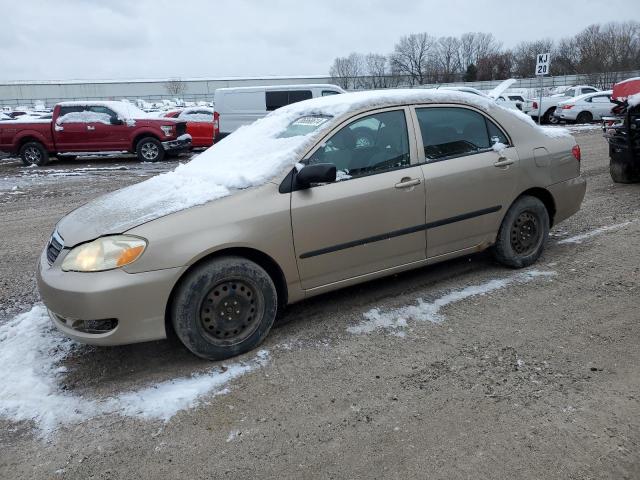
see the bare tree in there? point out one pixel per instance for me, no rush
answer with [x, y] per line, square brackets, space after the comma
[524, 56]
[448, 58]
[346, 72]
[411, 56]
[175, 87]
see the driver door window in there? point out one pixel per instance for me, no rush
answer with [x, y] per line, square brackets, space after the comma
[372, 144]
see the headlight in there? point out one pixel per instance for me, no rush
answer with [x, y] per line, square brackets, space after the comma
[167, 129]
[105, 253]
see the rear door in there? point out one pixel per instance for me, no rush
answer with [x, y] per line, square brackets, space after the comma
[373, 217]
[70, 129]
[469, 183]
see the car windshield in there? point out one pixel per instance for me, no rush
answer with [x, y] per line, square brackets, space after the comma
[304, 125]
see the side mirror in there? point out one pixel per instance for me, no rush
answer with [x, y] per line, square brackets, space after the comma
[116, 121]
[317, 173]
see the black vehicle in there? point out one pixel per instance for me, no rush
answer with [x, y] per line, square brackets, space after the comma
[623, 132]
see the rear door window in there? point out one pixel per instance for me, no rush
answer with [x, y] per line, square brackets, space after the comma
[299, 95]
[453, 132]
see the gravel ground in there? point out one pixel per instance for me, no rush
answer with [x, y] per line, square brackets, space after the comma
[539, 379]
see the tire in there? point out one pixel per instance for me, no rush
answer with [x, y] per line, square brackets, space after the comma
[149, 149]
[34, 153]
[624, 171]
[546, 118]
[584, 117]
[231, 286]
[523, 233]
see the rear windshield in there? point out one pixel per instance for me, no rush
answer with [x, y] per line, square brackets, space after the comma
[304, 125]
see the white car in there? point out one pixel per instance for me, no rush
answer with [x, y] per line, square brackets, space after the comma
[235, 107]
[585, 108]
[498, 94]
[546, 108]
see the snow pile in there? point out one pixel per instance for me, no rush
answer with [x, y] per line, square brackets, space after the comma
[425, 311]
[30, 352]
[84, 117]
[634, 100]
[556, 132]
[584, 236]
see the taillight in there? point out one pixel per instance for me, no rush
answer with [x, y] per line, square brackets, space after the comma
[567, 107]
[216, 125]
[575, 151]
[534, 105]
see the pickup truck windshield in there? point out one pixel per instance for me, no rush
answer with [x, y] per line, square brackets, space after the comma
[304, 125]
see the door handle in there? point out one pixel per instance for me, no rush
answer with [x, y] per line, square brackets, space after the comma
[90, 127]
[408, 182]
[503, 162]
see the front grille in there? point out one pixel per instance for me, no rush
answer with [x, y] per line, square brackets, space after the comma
[54, 247]
[181, 128]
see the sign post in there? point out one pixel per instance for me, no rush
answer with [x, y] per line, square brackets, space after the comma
[543, 61]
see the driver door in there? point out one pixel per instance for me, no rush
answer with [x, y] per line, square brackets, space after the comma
[372, 218]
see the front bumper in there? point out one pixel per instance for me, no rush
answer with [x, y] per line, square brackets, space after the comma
[180, 144]
[135, 301]
[567, 196]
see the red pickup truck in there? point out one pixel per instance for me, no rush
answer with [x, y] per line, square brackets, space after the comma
[78, 127]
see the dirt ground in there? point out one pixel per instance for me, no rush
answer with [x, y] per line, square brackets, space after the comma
[536, 380]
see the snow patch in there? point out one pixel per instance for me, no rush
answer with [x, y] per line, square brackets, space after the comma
[556, 132]
[584, 236]
[425, 311]
[31, 351]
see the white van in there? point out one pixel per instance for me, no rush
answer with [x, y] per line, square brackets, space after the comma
[239, 106]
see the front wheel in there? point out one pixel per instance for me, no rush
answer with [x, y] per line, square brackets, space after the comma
[224, 307]
[523, 233]
[150, 149]
[34, 153]
[548, 115]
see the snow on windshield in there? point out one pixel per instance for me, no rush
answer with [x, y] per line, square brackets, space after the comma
[253, 155]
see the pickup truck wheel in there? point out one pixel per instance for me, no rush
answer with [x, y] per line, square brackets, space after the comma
[150, 149]
[523, 233]
[584, 117]
[224, 307]
[548, 115]
[34, 153]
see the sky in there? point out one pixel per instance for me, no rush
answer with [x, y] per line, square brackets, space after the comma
[120, 39]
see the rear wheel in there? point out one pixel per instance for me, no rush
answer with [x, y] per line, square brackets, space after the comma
[523, 233]
[224, 307]
[548, 115]
[150, 149]
[34, 153]
[584, 117]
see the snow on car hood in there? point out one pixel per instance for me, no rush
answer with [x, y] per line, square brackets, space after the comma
[251, 156]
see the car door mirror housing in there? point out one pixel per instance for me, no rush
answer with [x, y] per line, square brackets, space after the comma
[116, 121]
[317, 173]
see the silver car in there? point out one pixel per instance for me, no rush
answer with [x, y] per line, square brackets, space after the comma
[316, 196]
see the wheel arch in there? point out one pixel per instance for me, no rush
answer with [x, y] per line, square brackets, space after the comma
[30, 137]
[545, 197]
[144, 134]
[262, 259]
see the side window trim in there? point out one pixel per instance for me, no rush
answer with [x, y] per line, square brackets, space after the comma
[410, 124]
[421, 157]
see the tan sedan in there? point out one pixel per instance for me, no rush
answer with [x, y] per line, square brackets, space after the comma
[341, 191]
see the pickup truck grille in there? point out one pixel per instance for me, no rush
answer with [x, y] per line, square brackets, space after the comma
[54, 247]
[181, 128]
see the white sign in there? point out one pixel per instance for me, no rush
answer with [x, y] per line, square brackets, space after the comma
[543, 61]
